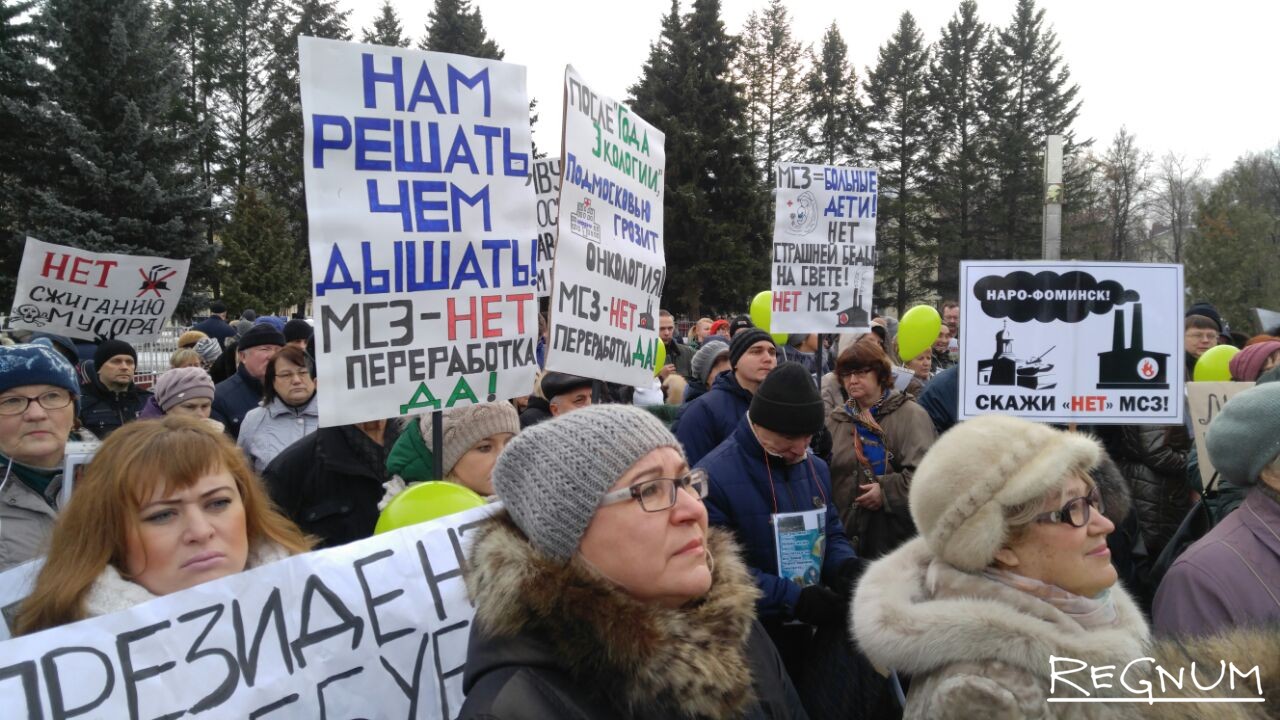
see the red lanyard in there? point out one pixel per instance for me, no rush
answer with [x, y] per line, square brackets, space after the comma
[773, 491]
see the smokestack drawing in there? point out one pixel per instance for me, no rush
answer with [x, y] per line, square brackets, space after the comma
[1117, 334]
[1137, 327]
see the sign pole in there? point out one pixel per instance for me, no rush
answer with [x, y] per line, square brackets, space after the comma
[1052, 235]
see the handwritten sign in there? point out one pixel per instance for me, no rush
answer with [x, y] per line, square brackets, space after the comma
[1206, 400]
[1062, 342]
[81, 294]
[610, 265]
[824, 248]
[377, 629]
[422, 229]
[545, 179]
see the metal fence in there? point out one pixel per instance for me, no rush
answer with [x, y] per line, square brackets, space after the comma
[153, 357]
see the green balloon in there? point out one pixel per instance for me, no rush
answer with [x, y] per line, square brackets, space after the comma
[917, 331]
[427, 501]
[1214, 364]
[762, 310]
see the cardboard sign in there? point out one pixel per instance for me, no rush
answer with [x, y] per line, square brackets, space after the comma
[824, 248]
[1062, 342]
[610, 264]
[374, 629]
[422, 229]
[95, 296]
[545, 179]
[1205, 401]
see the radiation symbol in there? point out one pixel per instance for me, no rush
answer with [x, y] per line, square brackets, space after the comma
[802, 214]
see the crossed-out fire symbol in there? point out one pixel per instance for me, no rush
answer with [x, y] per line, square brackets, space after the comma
[153, 281]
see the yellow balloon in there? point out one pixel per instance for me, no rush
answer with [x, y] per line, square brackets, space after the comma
[762, 310]
[660, 358]
[917, 331]
[424, 502]
[780, 339]
[1214, 364]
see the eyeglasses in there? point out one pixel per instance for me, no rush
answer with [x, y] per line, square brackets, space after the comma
[289, 376]
[51, 400]
[1076, 512]
[660, 494]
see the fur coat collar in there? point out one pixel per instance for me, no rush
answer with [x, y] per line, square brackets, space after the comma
[917, 615]
[112, 593]
[691, 662]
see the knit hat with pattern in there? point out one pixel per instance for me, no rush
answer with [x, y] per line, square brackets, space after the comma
[552, 475]
[464, 426]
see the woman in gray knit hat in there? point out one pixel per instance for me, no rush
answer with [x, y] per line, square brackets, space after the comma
[600, 592]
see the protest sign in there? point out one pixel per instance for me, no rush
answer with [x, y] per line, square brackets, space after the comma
[93, 296]
[546, 184]
[824, 248]
[1205, 401]
[610, 265]
[15, 585]
[1069, 342]
[374, 629]
[423, 229]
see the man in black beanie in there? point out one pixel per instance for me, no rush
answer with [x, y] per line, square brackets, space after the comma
[110, 398]
[776, 496]
[707, 421]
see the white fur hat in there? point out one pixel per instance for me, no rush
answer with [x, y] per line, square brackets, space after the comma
[982, 466]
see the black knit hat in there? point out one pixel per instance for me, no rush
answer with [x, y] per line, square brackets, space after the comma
[743, 341]
[297, 330]
[787, 402]
[742, 322]
[260, 334]
[111, 348]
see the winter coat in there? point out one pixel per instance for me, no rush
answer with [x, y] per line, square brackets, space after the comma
[268, 430]
[555, 640]
[908, 435]
[111, 593]
[833, 395]
[1228, 578]
[706, 422]
[535, 412]
[681, 356]
[976, 648]
[410, 457]
[234, 397]
[216, 328]
[1153, 458]
[102, 410]
[941, 398]
[330, 482]
[26, 517]
[742, 498]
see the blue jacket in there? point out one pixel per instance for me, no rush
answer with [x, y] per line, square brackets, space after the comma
[707, 421]
[216, 328]
[233, 398]
[741, 499]
[941, 398]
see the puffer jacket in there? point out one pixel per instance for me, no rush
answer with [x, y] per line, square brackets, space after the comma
[709, 420]
[102, 411]
[234, 397]
[977, 648]
[26, 517]
[908, 435]
[558, 641]
[410, 458]
[266, 431]
[1153, 458]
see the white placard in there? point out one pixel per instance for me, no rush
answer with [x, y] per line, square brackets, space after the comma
[546, 184]
[423, 229]
[374, 629]
[95, 296]
[1206, 400]
[1063, 342]
[610, 265]
[824, 248]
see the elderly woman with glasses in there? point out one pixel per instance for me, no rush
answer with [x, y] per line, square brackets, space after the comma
[600, 591]
[1010, 568]
[288, 413]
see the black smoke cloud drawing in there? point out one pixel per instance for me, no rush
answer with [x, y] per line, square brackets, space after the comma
[1048, 296]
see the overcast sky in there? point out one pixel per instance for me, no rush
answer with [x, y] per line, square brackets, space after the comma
[1190, 77]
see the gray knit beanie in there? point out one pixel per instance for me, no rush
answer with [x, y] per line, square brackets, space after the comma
[179, 385]
[706, 357]
[552, 475]
[1245, 436]
[466, 425]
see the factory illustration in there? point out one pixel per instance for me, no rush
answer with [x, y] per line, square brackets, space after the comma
[1133, 366]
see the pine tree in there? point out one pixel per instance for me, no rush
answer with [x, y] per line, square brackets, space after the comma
[386, 28]
[715, 212]
[455, 27]
[898, 130]
[833, 126]
[242, 91]
[770, 61]
[112, 170]
[958, 184]
[258, 263]
[1038, 100]
[19, 78]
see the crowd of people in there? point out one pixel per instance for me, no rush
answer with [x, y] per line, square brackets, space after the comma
[776, 528]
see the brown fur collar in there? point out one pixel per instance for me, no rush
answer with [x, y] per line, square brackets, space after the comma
[692, 660]
[913, 620]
